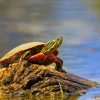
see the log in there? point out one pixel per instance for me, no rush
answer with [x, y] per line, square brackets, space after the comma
[17, 80]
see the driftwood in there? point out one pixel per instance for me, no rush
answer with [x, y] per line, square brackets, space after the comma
[38, 79]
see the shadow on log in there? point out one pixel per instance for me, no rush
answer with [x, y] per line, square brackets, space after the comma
[17, 80]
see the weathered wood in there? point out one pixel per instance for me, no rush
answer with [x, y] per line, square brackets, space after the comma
[39, 79]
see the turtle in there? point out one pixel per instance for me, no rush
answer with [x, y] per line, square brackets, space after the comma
[35, 53]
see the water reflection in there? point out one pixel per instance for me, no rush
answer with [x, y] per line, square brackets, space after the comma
[41, 98]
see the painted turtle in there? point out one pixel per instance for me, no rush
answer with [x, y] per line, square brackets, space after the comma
[36, 53]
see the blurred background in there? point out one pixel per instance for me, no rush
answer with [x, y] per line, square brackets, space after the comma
[77, 21]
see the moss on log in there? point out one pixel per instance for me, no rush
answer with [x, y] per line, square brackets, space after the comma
[38, 79]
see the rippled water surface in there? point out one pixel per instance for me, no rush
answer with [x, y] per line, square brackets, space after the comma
[77, 21]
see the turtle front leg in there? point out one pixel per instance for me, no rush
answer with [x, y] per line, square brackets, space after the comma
[59, 64]
[23, 59]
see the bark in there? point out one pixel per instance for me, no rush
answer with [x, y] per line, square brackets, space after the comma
[38, 79]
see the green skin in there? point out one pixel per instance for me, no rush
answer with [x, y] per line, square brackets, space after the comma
[47, 56]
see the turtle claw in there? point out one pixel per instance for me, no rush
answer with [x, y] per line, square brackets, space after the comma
[25, 63]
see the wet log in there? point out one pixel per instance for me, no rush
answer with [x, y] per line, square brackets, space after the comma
[17, 80]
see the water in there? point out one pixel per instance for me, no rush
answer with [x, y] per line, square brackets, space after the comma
[43, 20]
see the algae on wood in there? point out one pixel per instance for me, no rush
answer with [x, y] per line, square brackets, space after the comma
[38, 79]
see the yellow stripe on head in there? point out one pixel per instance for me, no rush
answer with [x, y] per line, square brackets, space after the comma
[51, 46]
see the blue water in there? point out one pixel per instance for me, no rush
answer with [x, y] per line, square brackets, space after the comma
[83, 60]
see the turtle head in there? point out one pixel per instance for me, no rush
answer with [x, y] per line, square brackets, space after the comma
[51, 46]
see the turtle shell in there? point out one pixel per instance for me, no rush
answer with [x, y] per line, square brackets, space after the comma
[13, 55]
